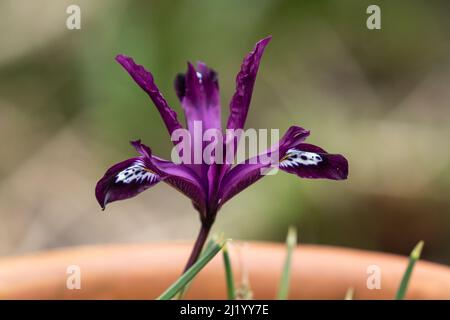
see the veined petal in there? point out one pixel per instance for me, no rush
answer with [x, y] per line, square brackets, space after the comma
[239, 178]
[145, 80]
[245, 82]
[198, 91]
[179, 176]
[125, 180]
[302, 159]
[245, 174]
[130, 177]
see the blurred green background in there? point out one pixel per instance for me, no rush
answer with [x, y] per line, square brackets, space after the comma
[380, 97]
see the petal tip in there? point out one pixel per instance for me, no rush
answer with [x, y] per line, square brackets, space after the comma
[121, 58]
[101, 198]
[340, 171]
[343, 170]
[180, 85]
[190, 65]
[265, 40]
[141, 148]
[261, 44]
[136, 143]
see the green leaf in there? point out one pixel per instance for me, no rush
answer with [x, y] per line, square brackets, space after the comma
[231, 292]
[414, 256]
[186, 277]
[208, 246]
[291, 242]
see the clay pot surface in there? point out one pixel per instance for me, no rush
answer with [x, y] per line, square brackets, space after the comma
[143, 271]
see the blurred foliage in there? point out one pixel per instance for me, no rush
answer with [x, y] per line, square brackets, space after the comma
[68, 110]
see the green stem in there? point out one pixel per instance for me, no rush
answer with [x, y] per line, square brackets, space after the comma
[198, 246]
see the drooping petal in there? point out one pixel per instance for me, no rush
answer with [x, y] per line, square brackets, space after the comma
[130, 177]
[179, 176]
[145, 80]
[309, 161]
[304, 160]
[125, 180]
[198, 91]
[245, 82]
[245, 174]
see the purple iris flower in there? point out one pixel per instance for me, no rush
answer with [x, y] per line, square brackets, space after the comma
[211, 185]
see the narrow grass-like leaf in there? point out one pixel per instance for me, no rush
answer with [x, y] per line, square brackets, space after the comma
[414, 256]
[244, 289]
[207, 247]
[291, 242]
[192, 271]
[231, 292]
[349, 294]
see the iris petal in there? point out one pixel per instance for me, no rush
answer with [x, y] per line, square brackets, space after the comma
[125, 180]
[133, 176]
[312, 162]
[245, 82]
[304, 160]
[145, 80]
[239, 178]
[179, 176]
[198, 91]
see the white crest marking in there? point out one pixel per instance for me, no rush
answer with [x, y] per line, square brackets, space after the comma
[297, 157]
[136, 173]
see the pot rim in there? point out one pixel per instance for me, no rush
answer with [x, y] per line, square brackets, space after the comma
[143, 271]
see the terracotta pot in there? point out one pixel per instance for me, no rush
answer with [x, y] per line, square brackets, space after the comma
[144, 271]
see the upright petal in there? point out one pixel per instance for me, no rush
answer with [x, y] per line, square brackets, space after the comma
[145, 80]
[293, 136]
[198, 91]
[125, 180]
[245, 81]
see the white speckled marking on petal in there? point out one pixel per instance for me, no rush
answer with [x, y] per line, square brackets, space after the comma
[296, 157]
[137, 173]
